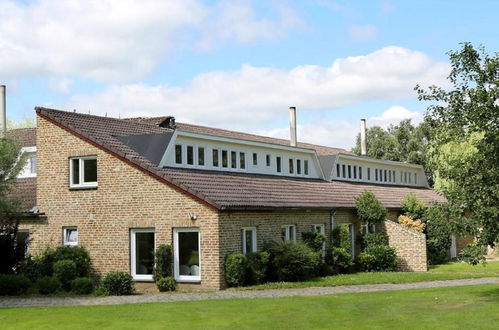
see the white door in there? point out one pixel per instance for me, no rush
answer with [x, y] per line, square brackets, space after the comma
[187, 254]
[142, 246]
[453, 247]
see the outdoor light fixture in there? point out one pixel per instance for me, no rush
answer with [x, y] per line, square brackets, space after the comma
[192, 216]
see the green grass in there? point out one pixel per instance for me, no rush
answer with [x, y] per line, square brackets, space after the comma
[450, 271]
[471, 307]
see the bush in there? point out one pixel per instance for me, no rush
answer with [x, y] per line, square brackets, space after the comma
[372, 239]
[30, 268]
[79, 255]
[341, 237]
[65, 271]
[369, 208]
[257, 265]
[413, 207]
[235, 269]
[473, 254]
[47, 285]
[163, 258]
[166, 284]
[438, 233]
[409, 222]
[118, 283]
[314, 240]
[339, 260]
[291, 261]
[378, 258]
[82, 285]
[13, 285]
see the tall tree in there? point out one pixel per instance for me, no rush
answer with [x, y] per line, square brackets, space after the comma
[465, 148]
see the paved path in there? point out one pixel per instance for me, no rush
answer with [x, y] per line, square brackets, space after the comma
[6, 302]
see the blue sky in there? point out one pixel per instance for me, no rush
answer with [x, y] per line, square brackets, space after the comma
[236, 64]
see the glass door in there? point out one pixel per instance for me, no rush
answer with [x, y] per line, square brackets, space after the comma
[142, 254]
[187, 254]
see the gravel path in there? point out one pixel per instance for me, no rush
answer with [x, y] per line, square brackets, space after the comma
[8, 302]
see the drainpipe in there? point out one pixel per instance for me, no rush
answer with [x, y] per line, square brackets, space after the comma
[3, 111]
[363, 141]
[292, 126]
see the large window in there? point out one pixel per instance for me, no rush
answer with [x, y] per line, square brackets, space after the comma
[142, 253]
[70, 236]
[83, 171]
[187, 254]
[248, 240]
[288, 233]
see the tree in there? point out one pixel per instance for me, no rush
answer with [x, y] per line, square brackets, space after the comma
[467, 114]
[27, 122]
[11, 163]
[369, 208]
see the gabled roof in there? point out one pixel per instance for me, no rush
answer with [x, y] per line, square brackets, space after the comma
[226, 190]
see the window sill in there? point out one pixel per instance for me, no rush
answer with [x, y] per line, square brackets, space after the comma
[84, 187]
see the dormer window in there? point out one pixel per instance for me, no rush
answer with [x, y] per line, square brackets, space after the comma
[215, 157]
[83, 172]
[233, 159]
[190, 155]
[268, 160]
[178, 154]
[242, 160]
[278, 164]
[343, 171]
[225, 159]
[298, 166]
[255, 159]
[291, 167]
[200, 156]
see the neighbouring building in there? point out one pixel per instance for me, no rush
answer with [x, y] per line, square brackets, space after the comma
[121, 187]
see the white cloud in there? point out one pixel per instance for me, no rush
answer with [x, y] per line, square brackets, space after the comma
[253, 97]
[363, 32]
[394, 115]
[118, 40]
[60, 85]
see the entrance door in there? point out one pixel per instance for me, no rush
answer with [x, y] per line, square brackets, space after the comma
[142, 253]
[187, 254]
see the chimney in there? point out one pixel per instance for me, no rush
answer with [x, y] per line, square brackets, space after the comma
[363, 142]
[292, 126]
[3, 111]
[168, 122]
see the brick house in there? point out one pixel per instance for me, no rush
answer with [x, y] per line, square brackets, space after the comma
[121, 187]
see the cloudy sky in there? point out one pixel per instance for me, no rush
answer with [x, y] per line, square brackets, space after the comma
[236, 64]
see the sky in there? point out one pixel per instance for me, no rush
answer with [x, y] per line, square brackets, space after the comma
[237, 64]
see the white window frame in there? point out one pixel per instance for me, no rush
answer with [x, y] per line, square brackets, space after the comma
[65, 241]
[26, 171]
[133, 256]
[253, 239]
[176, 258]
[82, 184]
[287, 232]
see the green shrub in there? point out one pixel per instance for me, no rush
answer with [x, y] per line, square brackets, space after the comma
[291, 261]
[79, 255]
[235, 269]
[371, 239]
[47, 285]
[65, 271]
[413, 207]
[166, 284]
[30, 268]
[257, 265]
[341, 237]
[438, 233]
[314, 240]
[82, 285]
[378, 258]
[473, 254]
[13, 285]
[118, 283]
[339, 260]
[369, 208]
[163, 258]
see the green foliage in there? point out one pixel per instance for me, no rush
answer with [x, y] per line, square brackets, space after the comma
[465, 147]
[13, 285]
[473, 254]
[82, 285]
[65, 271]
[338, 259]
[45, 262]
[118, 283]
[165, 284]
[369, 208]
[314, 240]
[413, 207]
[30, 268]
[164, 262]
[47, 285]
[438, 233]
[291, 261]
[372, 239]
[257, 266]
[235, 269]
[377, 258]
[341, 237]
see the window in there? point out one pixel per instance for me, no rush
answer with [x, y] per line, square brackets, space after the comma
[178, 154]
[369, 174]
[410, 177]
[288, 233]
[385, 177]
[32, 163]
[390, 176]
[343, 171]
[83, 171]
[298, 166]
[349, 171]
[22, 242]
[393, 176]
[200, 156]
[190, 155]
[233, 159]
[215, 157]
[248, 240]
[405, 177]
[368, 228]
[291, 165]
[187, 255]
[401, 177]
[360, 172]
[142, 244]
[415, 178]
[355, 172]
[305, 167]
[338, 170]
[278, 164]
[69, 236]
[255, 159]
[225, 158]
[376, 175]
[351, 236]
[268, 159]
[242, 160]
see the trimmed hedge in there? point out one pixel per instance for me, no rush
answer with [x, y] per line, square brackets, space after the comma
[235, 269]
[369, 208]
[82, 285]
[166, 284]
[65, 271]
[47, 285]
[118, 283]
[292, 262]
[339, 260]
[13, 285]
[378, 258]
[163, 262]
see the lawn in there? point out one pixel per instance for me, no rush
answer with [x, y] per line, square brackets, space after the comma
[450, 271]
[472, 307]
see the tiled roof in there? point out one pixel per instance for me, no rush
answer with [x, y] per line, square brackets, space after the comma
[25, 191]
[25, 136]
[225, 190]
